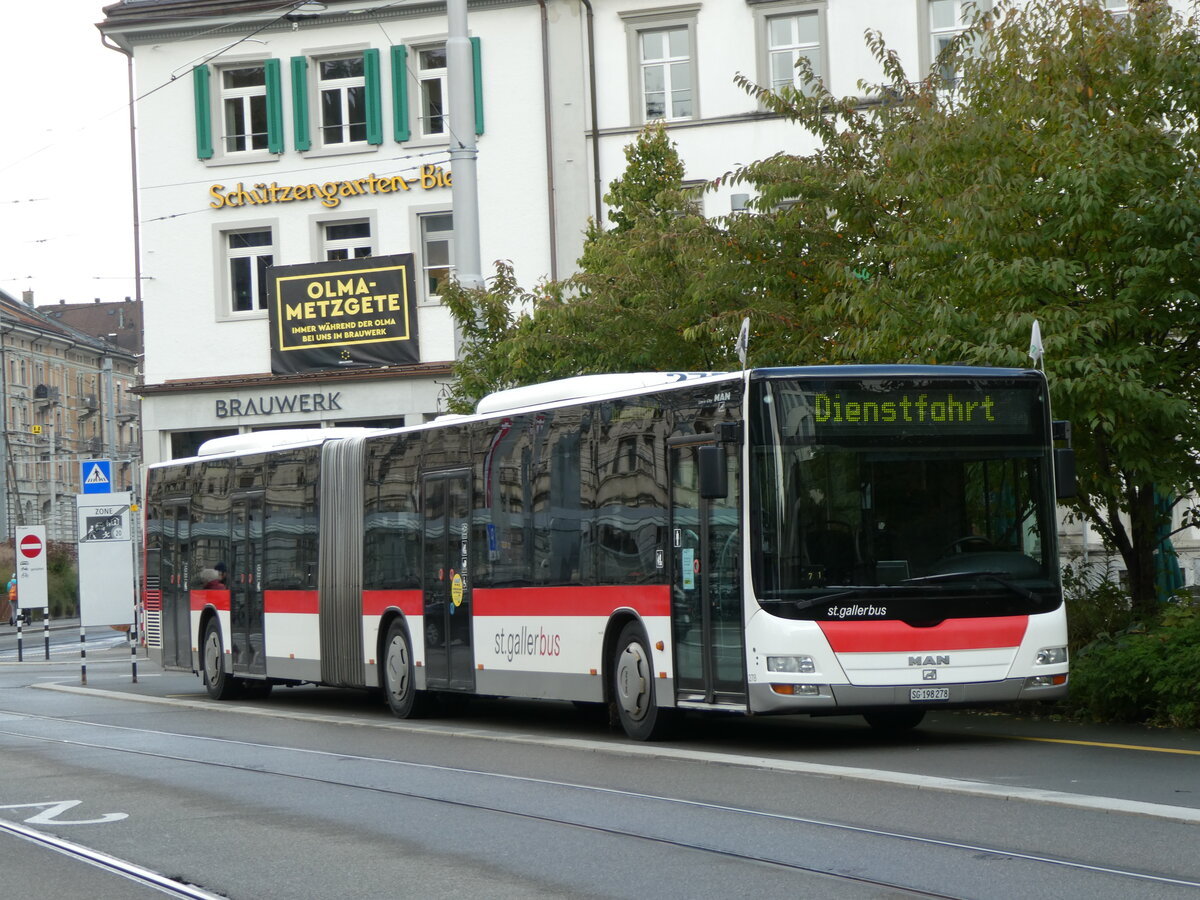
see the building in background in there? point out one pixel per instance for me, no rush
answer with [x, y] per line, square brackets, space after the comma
[119, 324]
[68, 398]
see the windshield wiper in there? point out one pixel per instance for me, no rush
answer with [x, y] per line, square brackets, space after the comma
[827, 598]
[997, 577]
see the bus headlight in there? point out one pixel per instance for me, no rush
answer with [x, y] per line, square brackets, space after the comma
[1049, 656]
[794, 664]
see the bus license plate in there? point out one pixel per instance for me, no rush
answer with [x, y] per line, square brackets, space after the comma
[937, 693]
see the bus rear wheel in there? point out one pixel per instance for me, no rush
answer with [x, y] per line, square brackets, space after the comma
[219, 683]
[399, 676]
[633, 688]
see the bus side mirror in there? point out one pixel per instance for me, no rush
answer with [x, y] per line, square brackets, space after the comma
[714, 474]
[1064, 473]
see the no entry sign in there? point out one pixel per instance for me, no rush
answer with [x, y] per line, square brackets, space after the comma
[31, 566]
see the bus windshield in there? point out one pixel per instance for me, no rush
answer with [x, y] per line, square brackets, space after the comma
[933, 493]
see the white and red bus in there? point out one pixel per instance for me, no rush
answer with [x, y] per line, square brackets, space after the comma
[876, 540]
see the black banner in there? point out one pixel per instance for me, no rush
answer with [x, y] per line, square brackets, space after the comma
[343, 314]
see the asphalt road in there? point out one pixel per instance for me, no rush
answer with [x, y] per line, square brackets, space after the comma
[318, 793]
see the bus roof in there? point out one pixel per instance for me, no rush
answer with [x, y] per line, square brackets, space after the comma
[279, 438]
[583, 387]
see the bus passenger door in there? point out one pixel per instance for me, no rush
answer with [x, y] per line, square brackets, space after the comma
[706, 595]
[245, 586]
[176, 593]
[449, 655]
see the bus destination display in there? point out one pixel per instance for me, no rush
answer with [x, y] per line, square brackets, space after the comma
[920, 411]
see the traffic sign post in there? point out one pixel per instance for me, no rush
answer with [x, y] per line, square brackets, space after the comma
[105, 529]
[31, 577]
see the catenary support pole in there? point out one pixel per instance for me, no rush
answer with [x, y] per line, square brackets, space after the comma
[464, 188]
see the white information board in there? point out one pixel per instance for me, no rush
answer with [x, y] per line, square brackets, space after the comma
[106, 586]
[31, 567]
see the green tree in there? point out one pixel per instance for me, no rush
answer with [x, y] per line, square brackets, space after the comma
[635, 304]
[1056, 181]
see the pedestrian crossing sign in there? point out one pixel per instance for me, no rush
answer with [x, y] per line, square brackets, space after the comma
[96, 476]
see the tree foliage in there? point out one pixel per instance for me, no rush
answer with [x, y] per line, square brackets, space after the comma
[1055, 179]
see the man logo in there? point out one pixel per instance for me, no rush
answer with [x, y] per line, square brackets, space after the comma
[929, 674]
[929, 660]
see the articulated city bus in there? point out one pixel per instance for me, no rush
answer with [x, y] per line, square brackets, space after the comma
[877, 540]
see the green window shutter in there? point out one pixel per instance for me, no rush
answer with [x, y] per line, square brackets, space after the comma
[477, 65]
[204, 142]
[400, 94]
[300, 103]
[274, 107]
[374, 100]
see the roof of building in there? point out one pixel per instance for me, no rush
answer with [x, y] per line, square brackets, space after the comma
[118, 322]
[21, 314]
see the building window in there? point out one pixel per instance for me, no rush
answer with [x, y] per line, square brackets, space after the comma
[790, 37]
[945, 20]
[342, 93]
[666, 69]
[431, 79]
[346, 240]
[248, 109]
[663, 67]
[244, 106]
[249, 254]
[420, 73]
[437, 251]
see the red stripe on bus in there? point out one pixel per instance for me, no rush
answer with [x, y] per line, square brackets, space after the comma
[297, 602]
[411, 603]
[645, 599]
[952, 634]
[215, 599]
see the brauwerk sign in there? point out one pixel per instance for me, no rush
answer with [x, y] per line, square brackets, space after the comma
[343, 313]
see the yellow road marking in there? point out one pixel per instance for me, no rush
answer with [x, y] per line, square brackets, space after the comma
[1103, 744]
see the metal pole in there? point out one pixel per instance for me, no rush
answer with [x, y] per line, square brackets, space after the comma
[463, 184]
[46, 629]
[82, 654]
[133, 646]
[20, 643]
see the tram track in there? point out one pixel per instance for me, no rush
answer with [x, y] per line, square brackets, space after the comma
[663, 837]
[138, 874]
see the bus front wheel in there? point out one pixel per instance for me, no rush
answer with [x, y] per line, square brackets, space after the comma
[399, 676]
[219, 683]
[633, 688]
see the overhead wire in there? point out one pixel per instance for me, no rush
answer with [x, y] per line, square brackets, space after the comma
[204, 60]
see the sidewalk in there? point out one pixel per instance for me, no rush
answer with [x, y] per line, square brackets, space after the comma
[36, 626]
